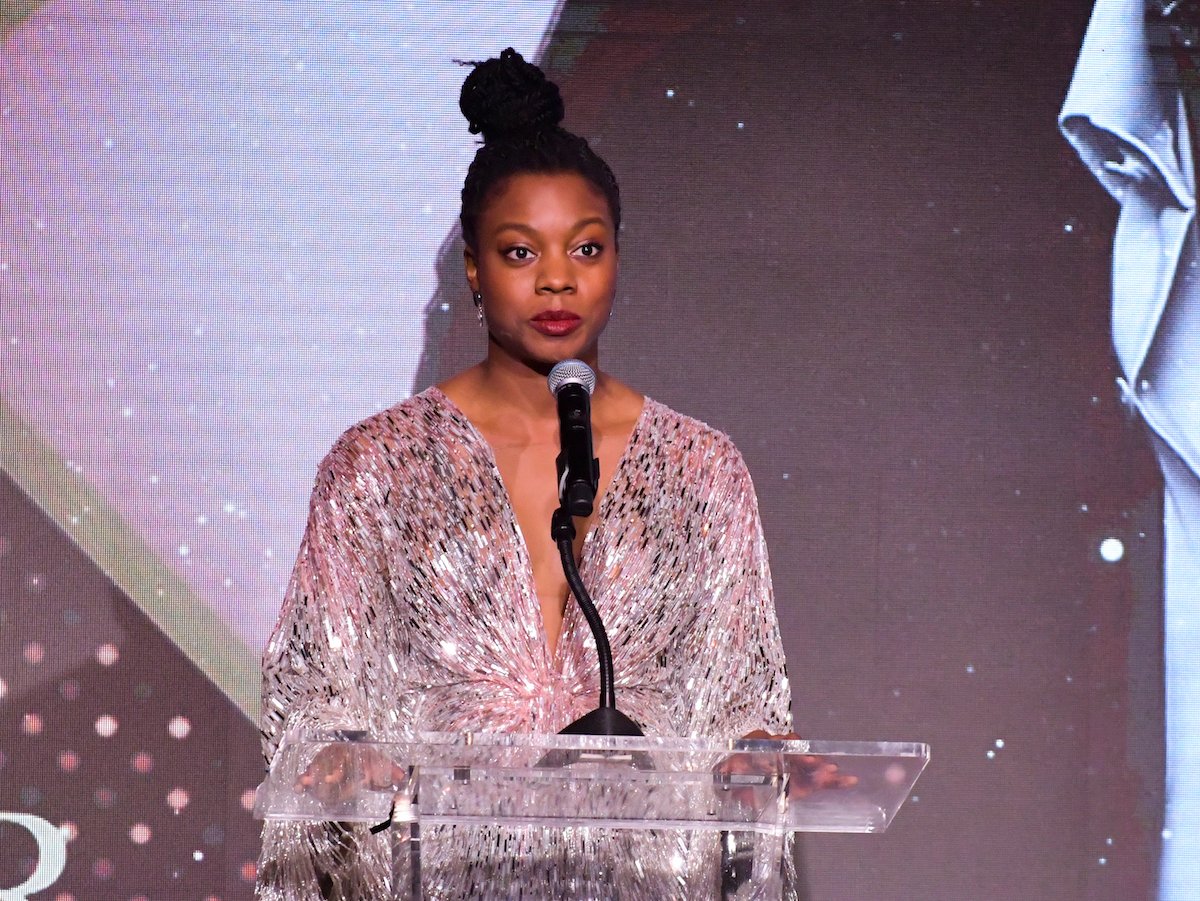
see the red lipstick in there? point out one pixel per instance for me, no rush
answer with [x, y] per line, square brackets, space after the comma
[556, 323]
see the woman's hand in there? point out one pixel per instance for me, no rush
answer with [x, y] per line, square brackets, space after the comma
[809, 773]
[338, 772]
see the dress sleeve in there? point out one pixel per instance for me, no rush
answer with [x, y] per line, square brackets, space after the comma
[734, 670]
[733, 667]
[312, 680]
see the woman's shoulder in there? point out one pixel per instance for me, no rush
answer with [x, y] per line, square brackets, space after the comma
[690, 440]
[413, 424]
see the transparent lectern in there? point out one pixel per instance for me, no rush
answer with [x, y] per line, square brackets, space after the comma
[751, 793]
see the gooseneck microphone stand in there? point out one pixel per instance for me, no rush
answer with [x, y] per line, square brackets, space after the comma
[571, 383]
[605, 719]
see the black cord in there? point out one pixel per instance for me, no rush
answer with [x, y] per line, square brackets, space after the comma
[563, 530]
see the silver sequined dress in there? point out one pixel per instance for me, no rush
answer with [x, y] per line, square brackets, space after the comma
[412, 607]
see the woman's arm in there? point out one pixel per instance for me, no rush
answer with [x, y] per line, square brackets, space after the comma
[312, 670]
[733, 671]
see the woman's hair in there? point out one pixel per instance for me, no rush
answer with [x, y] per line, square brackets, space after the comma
[517, 110]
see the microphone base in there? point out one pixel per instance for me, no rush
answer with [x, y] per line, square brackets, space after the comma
[603, 721]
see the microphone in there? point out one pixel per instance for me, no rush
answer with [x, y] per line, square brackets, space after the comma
[572, 383]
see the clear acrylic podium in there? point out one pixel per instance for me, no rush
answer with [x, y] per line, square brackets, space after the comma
[750, 792]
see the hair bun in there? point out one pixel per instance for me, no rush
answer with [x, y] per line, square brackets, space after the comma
[506, 96]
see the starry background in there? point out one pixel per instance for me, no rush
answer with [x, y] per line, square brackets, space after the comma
[854, 240]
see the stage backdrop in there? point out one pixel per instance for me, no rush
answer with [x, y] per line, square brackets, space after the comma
[873, 240]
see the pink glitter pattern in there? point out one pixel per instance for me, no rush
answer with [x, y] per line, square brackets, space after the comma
[412, 608]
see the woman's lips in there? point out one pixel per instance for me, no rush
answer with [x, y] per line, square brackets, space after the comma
[556, 323]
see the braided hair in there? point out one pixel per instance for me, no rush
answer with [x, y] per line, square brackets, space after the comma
[518, 110]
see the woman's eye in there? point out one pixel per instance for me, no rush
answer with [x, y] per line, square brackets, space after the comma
[590, 249]
[518, 253]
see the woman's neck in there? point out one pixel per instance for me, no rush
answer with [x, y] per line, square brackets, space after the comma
[510, 401]
[515, 387]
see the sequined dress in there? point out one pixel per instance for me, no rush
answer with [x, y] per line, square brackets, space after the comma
[412, 607]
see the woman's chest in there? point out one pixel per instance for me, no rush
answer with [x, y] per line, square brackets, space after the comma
[478, 573]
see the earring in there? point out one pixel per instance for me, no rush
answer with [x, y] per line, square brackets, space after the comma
[478, 299]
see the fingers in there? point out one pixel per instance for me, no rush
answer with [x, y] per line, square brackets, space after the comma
[757, 734]
[739, 765]
[338, 773]
[382, 772]
[811, 774]
[325, 778]
[764, 734]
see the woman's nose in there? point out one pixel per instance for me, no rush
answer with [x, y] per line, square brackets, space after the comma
[555, 274]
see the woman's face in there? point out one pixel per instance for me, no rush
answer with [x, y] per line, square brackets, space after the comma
[546, 265]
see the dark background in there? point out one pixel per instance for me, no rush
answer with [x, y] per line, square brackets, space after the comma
[891, 287]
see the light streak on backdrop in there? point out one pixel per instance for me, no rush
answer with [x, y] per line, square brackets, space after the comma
[220, 227]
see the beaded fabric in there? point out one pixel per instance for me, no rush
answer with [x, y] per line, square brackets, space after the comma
[412, 607]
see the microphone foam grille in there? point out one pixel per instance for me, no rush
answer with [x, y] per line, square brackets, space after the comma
[572, 371]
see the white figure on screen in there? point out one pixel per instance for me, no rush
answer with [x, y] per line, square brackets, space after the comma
[1129, 113]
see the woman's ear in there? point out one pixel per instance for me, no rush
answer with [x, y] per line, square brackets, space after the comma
[472, 269]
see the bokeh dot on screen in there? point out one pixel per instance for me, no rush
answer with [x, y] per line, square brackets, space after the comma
[34, 653]
[107, 654]
[68, 761]
[142, 762]
[178, 799]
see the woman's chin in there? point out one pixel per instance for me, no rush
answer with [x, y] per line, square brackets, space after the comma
[543, 356]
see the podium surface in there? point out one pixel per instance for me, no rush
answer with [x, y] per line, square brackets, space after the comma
[751, 792]
[616, 782]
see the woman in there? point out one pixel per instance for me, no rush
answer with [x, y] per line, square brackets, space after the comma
[428, 594]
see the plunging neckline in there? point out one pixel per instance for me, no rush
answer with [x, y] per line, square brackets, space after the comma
[553, 657]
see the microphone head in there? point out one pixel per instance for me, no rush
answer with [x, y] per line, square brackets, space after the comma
[571, 372]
